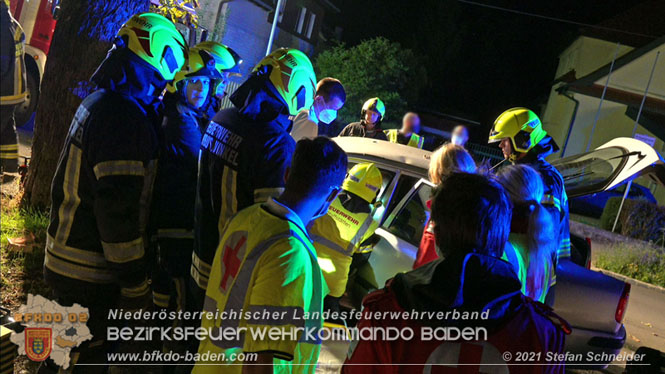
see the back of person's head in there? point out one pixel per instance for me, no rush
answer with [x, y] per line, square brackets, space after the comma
[449, 159]
[525, 188]
[318, 164]
[330, 88]
[471, 213]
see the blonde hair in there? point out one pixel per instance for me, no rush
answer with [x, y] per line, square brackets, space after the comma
[525, 189]
[448, 159]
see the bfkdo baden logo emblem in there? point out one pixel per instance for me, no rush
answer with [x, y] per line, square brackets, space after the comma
[38, 343]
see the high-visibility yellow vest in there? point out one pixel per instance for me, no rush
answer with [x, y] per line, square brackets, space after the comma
[415, 141]
[337, 236]
[265, 271]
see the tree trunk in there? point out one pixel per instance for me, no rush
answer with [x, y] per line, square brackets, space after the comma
[83, 35]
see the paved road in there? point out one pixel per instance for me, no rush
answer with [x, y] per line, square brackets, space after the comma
[645, 318]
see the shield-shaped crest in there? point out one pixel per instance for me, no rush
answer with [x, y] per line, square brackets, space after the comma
[37, 343]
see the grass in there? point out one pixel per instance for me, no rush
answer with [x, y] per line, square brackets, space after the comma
[645, 264]
[21, 271]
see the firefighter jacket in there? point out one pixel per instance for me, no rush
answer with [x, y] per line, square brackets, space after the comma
[265, 275]
[415, 140]
[555, 199]
[12, 64]
[358, 129]
[245, 152]
[175, 185]
[511, 322]
[337, 236]
[103, 182]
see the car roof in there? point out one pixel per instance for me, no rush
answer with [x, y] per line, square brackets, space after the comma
[392, 153]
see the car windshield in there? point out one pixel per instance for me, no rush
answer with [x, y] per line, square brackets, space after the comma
[592, 171]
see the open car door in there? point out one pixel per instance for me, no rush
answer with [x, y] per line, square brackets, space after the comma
[401, 233]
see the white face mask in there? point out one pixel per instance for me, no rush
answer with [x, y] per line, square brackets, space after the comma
[457, 140]
[327, 116]
[321, 112]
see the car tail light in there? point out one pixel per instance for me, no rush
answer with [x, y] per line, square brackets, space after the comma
[588, 259]
[623, 303]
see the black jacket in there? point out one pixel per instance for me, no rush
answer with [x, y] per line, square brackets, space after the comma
[358, 129]
[245, 152]
[467, 283]
[175, 185]
[555, 200]
[103, 182]
[12, 65]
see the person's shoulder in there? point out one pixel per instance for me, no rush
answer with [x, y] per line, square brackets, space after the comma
[303, 114]
[275, 140]
[381, 300]
[287, 248]
[550, 175]
[351, 128]
[111, 106]
[226, 117]
[108, 113]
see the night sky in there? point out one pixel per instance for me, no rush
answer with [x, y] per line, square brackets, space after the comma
[481, 61]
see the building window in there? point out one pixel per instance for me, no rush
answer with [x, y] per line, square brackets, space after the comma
[301, 20]
[310, 25]
[281, 11]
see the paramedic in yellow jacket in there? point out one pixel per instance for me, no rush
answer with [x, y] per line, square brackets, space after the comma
[265, 275]
[349, 223]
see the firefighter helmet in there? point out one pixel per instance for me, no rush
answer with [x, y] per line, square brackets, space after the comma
[364, 180]
[226, 59]
[209, 59]
[376, 105]
[155, 40]
[293, 77]
[521, 125]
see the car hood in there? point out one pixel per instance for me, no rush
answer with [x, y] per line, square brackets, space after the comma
[613, 163]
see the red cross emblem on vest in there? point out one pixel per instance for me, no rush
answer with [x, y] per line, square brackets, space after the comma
[233, 253]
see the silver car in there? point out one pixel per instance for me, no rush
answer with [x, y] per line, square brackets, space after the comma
[593, 303]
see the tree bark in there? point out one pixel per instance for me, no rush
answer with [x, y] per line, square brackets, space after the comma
[83, 35]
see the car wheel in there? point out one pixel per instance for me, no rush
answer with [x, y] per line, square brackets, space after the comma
[25, 110]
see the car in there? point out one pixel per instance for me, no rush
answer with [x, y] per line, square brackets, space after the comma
[594, 204]
[594, 304]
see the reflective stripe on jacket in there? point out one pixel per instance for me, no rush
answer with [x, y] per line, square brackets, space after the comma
[337, 236]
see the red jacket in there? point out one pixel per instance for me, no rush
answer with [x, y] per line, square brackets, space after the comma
[427, 249]
[516, 324]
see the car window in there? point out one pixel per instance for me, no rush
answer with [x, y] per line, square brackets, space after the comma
[410, 221]
[592, 171]
[404, 185]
